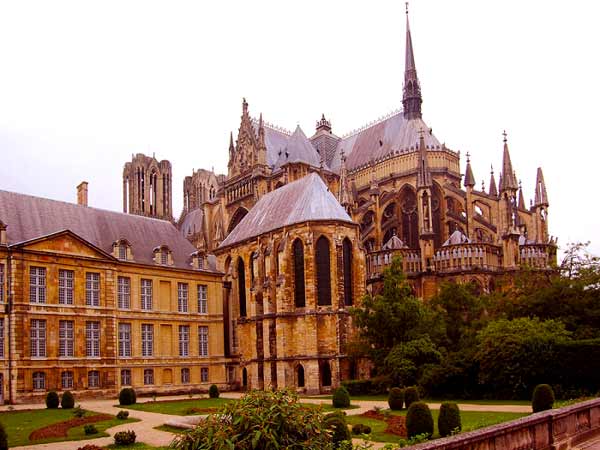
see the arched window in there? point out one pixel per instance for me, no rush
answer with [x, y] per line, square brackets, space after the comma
[299, 293]
[347, 255]
[410, 221]
[323, 272]
[300, 376]
[244, 378]
[325, 374]
[242, 287]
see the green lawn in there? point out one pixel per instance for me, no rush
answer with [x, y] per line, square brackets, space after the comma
[384, 398]
[328, 407]
[136, 446]
[20, 424]
[471, 420]
[170, 429]
[180, 407]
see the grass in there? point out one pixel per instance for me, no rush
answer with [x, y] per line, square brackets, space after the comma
[180, 407]
[20, 424]
[384, 398]
[170, 429]
[471, 420]
[328, 407]
[136, 446]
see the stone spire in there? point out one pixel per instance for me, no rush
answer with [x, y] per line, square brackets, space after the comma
[493, 190]
[344, 194]
[509, 181]
[423, 175]
[469, 178]
[231, 146]
[411, 97]
[541, 196]
[521, 204]
[262, 146]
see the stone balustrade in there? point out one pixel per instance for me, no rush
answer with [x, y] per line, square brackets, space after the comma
[557, 429]
[468, 256]
[379, 260]
[537, 256]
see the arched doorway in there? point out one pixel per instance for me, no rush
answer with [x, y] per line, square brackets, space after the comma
[325, 374]
[244, 379]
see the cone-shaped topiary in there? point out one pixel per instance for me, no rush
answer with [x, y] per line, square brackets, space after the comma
[411, 395]
[543, 398]
[419, 420]
[213, 391]
[396, 398]
[67, 400]
[449, 419]
[52, 400]
[127, 396]
[341, 398]
[336, 422]
[3, 438]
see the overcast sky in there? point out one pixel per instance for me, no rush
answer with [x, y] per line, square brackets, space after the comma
[83, 85]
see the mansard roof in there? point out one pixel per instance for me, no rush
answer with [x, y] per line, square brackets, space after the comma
[29, 217]
[304, 200]
[394, 134]
[298, 150]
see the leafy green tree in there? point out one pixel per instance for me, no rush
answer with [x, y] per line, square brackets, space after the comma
[406, 361]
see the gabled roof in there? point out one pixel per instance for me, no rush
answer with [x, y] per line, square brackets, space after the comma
[29, 217]
[275, 140]
[298, 150]
[304, 200]
[456, 238]
[394, 243]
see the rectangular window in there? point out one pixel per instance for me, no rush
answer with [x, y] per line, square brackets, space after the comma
[184, 340]
[182, 297]
[37, 284]
[202, 299]
[93, 379]
[124, 292]
[92, 289]
[147, 294]
[125, 377]
[204, 374]
[66, 380]
[203, 341]
[147, 339]
[38, 338]
[148, 376]
[65, 286]
[92, 339]
[164, 257]
[1, 337]
[1, 283]
[185, 375]
[66, 338]
[122, 252]
[124, 339]
[39, 381]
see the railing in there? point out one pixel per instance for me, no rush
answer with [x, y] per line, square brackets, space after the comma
[239, 190]
[537, 256]
[461, 257]
[379, 260]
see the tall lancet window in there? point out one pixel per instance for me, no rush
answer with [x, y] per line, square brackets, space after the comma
[299, 292]
[242, 287]
[347, 256]
[323, 272]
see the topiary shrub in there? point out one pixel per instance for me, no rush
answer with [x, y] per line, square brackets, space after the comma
[78, 412]
[122, 415]
[336, 423]
[449, 419]
[419, 420]
[360, 428]
[396, 398]
[341, 398]
[411, 395]
[543, 398]
[52, 400]
[90, 429]
[213, 391]
[3, 438]
[125, 437]
[127, 396]
[67, 400]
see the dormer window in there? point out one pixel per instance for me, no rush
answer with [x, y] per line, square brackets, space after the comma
[163, 256]
[199, 260]
[3, 239]
[122, 250]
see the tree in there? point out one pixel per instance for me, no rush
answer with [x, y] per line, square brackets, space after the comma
[405, 362]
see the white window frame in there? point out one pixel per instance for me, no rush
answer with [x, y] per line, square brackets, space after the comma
[66, 339]
[37, 344]
[93, 379]
[92, 339]
[66, 379]
[124, 292]
[202, 299]
[146, 294]
[1, 283]
[182, 297]
[39, 381]
[66, 286]
[204, 375]
[203, 341]
[147, 339]
[148, 376]
[185, 375]
[125, 377]
[92, 289]
[184, 340]
[124, 340]
[37, 284]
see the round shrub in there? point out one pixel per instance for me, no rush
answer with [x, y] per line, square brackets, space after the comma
[419, 420]
[3, 438]
[90, 447]
[52, 400]
[336, 422]
[122, 415]
[127, 396]
[213, 391]
[125, 437]
[411, 395]
[543, 398]
[90, 429]
[396, 398]
[360, 428]
[341, 398]
[67, 400]
[449, 419]
[79, 412]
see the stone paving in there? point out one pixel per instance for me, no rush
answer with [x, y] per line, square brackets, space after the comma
[146, 433]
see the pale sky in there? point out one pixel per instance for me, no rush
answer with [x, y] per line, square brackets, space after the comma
[83, 85]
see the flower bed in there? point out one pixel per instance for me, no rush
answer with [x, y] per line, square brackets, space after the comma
[60, 429]
[396, 425]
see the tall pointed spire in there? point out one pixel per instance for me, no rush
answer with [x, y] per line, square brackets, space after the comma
[411, 97]
[493, 191]
[344, 194]
[509, 181]
[521, 204]
[469, 178]
[423, 175]
[231, 146]
[541, 196]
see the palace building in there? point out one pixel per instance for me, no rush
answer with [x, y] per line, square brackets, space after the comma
[251, 286]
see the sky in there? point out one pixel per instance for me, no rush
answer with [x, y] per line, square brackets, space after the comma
[84, 85]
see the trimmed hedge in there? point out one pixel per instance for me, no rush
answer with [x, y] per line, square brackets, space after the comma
[122, 415]
[341, 398]
[127, 397]
[411, 395]
[396, 398]
[90, 429]
[3, 438]
[543, 398]
[52, 400]
[449, 419]
[336, 422]
[125, 437]
[213, 391]
[419, 420]
[67, 400]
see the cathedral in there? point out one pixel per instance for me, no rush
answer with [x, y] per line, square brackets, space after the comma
[252, 285]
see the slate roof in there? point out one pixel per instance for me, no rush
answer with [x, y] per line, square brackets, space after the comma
[456, 238]
[275, 140]
[28, 217]
[306, 199]
[298, 149]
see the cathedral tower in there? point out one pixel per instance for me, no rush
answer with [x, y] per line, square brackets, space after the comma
[411, 98]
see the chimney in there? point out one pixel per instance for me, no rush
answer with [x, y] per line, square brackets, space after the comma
[3, 239]
[82, 193]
